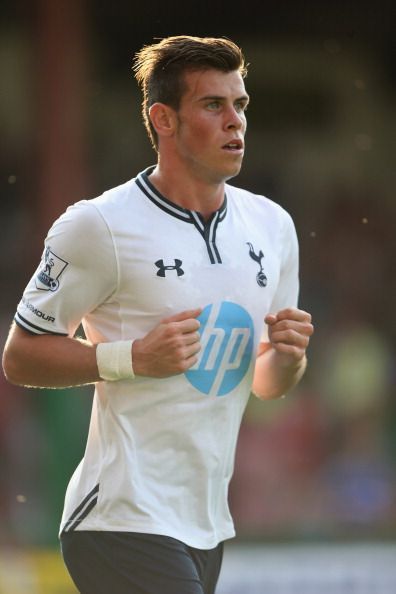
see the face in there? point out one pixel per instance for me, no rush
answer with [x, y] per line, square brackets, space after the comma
[211, 125]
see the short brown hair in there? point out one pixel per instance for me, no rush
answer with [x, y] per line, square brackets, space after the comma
[159, 68]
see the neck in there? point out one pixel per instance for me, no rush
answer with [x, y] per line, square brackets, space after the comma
[188, 191]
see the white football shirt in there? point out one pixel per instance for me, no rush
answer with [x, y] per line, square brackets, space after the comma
[160, 452]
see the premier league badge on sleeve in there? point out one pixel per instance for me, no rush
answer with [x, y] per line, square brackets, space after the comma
[51, 268]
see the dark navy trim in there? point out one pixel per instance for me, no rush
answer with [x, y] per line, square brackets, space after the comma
[32, 328]
[152, 193]
[207, 229]
[214, 241]
[82, 510]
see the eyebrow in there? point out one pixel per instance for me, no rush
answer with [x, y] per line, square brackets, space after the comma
[245, 98]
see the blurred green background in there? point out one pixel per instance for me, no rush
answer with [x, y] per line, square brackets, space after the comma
[319, 465]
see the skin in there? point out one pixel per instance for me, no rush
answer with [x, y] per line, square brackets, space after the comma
[195, 160]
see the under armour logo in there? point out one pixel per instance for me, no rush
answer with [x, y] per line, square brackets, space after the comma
[162, 268]
[260, 277]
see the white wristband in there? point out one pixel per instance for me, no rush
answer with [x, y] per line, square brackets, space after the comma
[114, 360]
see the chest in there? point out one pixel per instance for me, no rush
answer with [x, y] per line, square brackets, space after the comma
[172, 265]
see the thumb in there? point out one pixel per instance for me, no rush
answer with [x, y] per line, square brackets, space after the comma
[270, 319]
[183, 315]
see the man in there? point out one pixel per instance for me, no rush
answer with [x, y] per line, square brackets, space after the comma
[175, 275]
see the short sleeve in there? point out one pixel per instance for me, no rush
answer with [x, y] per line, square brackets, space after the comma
[78, 271]
[287, 290]
[286, 294]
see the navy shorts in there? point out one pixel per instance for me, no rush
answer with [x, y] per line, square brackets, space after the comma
[135, 563]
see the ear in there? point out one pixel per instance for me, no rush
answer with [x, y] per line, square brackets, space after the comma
[163, 118]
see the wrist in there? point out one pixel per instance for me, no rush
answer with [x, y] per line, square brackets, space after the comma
[289, 361]
[114, 360]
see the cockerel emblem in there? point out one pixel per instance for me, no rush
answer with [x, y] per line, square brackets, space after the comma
[260, 276]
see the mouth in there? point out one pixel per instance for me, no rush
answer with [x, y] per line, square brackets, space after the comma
[234, 146]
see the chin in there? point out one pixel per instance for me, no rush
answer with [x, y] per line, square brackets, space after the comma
[221, 177]
[233, 171]
[223, 172]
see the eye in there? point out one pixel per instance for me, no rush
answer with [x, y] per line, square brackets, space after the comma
[214, 105]
[241, 106]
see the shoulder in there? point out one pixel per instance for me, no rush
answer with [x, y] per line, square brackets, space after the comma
[256, 205]
[90, 216]
[118, 195]
[80, 221]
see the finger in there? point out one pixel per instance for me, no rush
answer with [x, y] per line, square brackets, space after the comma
[290, 337]
[190, 361]
[187, 358]
[304, 327]
[191, 338]
[187, 326]
[291, 350]
[191, 350]
[183, 315]
[293, 313]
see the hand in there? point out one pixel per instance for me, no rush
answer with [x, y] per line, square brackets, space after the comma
[289, 332]
[170, 348]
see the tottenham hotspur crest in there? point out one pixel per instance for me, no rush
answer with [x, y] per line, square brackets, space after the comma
[50, 270]
[260, 276]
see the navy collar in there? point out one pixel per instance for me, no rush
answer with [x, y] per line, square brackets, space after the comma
[184, 214]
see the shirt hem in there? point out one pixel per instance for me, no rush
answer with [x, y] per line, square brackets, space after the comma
[197, 543]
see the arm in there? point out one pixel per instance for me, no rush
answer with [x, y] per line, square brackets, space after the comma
[53, 361]
[281, 362]
[47, 360]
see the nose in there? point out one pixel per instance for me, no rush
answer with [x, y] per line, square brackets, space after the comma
[235, 120]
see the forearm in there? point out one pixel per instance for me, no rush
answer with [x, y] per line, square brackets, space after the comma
[48, 361]
[276, 374]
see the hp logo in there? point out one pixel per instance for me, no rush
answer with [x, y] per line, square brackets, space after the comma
[227, 345]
